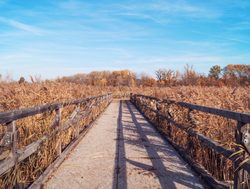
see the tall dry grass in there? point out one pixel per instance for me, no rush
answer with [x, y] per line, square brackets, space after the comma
[16, 96]
[30, 129]
[217, 128]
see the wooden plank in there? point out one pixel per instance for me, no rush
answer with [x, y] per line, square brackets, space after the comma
[20, 155]
[72, 118]
[31, 148]
[74, 121]
[245, 118]
[238, 175]
[59, 126]
[76, 118]
[242, 119]
[210, 180]
[11, 127]
[24, 153]
[40, 181]
[205, 140]
[7, 164]
[6, 117]
[11, 161]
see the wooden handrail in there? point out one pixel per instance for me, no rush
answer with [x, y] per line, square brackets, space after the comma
[140, 101]
[245, 118]
[203, 139]
[6, 117]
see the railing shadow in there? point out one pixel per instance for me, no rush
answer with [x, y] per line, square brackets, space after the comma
[120, 173]
[167, 178]
[139, 133]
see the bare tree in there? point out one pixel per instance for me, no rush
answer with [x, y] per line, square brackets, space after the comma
[167, 76]
[189, 77]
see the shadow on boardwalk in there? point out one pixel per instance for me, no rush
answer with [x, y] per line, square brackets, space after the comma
[141, 135]
[120, 176]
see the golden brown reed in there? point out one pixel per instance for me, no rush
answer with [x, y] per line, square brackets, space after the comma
[217, 128]
[15, 96]
[32, 128]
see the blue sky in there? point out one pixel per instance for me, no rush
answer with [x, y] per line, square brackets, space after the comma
[64, 37]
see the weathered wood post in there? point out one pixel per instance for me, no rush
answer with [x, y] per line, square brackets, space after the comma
[170, 126]
[238, 175]
[59, 126]
[190, 145]
[131, 98]
[137, 100]
[158, 109]
[11, 139]
[77, 131]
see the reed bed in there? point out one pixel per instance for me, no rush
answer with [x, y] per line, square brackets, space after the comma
[16, 96]
[217, 128]
[32, 128]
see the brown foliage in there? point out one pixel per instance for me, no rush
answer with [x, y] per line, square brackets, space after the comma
[15, 96]
[217, 128]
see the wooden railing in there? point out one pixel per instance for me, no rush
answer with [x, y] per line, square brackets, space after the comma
[157, 111]
[84, 108]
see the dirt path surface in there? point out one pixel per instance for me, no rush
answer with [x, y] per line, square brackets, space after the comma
[123, 150]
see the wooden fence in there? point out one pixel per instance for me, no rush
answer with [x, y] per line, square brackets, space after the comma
[157, 111]
[84, 108]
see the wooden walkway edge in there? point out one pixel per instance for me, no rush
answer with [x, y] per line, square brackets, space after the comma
[123, 150]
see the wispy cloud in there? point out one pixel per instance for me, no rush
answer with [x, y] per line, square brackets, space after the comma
[145, 17]
[224, 37]
[161, 12]
[240, 26]
[70, 36]
[22, 26]
[176, 8]
[71, 4]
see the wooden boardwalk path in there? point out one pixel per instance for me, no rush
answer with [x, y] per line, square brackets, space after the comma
[123, 150]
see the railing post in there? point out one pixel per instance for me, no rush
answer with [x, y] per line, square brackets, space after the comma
[12, 138]
[12, 141]
[131, 98]
[238, 175]
[157, 103]
[190, 144]
[110, 97]
[59, 126]
[77, 132]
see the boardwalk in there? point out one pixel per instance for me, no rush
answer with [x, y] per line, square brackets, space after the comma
[123, 150]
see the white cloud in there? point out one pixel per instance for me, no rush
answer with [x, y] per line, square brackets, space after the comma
[224, 37]
[21, 26]
[240, 26]
[176, 8]
[85, 36]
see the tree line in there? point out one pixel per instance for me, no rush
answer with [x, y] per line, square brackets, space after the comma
[231, 75]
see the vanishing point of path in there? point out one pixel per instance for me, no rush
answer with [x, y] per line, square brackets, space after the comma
[122, 151]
